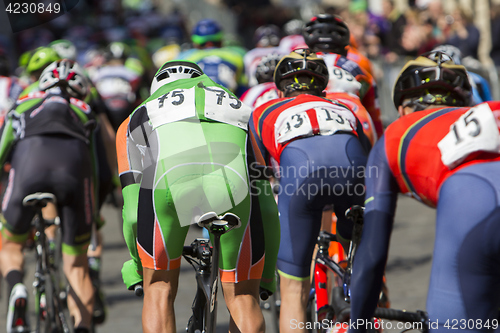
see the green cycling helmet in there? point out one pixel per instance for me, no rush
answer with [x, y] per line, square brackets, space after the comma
[41, 58]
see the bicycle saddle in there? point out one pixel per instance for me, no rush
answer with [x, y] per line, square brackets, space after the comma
[39, 199]
[230, 219]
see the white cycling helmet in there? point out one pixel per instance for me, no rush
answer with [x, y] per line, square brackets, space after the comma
[175, 70]
[67, 75]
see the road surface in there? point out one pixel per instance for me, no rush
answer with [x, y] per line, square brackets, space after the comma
[407, 272]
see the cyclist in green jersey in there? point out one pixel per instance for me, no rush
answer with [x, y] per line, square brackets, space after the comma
[48, 136]
[182, 153]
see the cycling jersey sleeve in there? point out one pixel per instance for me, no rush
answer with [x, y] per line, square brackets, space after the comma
[261, 154]
[371, 255]
[130, 171]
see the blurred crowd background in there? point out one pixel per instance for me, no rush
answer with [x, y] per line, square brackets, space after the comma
[388, 32]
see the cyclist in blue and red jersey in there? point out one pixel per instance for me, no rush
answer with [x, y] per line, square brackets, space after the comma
[316, 147]
[445, 154]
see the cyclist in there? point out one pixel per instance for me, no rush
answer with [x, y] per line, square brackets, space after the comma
[50, 128]
[314, 145]
[266, 40]
[11, 87]
[221, 64]
[104, 138]
[293, 38]
[64, 48]
[329, 36]
[183, 152]
[117, 83]
[481, 91]
[265, 90]
[41, 58]
[445, 154]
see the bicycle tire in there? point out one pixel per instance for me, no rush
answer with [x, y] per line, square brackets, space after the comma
[57, 311]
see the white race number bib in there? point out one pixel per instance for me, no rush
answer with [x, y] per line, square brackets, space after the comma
[295, 122]
[173, 106]
[476, 130]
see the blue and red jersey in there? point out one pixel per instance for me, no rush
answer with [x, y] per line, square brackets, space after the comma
[421, 150]
[278, 122]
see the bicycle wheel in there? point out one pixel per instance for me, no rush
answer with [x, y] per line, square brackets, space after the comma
[55, 292]
[43, 322]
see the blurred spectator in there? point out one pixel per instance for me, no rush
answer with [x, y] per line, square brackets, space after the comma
[392, 31]
[495, 32]
[464, 34]
[436, 15]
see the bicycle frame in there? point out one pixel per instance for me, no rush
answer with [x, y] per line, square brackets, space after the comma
[339, 306]
[323, 264]
[46, 281]
[204, 306]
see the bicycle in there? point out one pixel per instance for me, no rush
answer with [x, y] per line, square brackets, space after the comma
[205, 261]
[324, 307]
[51, 312]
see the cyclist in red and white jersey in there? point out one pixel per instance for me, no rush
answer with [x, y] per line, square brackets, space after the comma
[266, 89]
[266, 39]
[10, 87]
[329, 36]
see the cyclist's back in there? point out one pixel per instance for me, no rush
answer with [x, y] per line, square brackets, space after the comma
[445, 154]
[314, 145]
[182, 153]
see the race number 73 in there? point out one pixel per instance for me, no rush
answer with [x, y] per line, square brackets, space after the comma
[475, 130]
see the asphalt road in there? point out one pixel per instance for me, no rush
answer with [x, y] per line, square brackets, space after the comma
[407, 272]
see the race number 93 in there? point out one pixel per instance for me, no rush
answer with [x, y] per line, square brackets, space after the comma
[475, 130]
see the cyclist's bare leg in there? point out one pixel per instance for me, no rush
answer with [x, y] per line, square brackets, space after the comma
[11, 257]
[81, 295]
[242, 300]
[49, 212]
[294, 296]
[160, 289]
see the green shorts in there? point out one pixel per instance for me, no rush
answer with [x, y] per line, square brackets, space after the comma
[194, 169]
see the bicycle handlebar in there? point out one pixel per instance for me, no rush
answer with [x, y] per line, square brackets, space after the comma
[138, 290]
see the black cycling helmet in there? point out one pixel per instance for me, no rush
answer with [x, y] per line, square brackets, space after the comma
[301, 62]
[432, 79]
[265, 69]
[326, 32]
